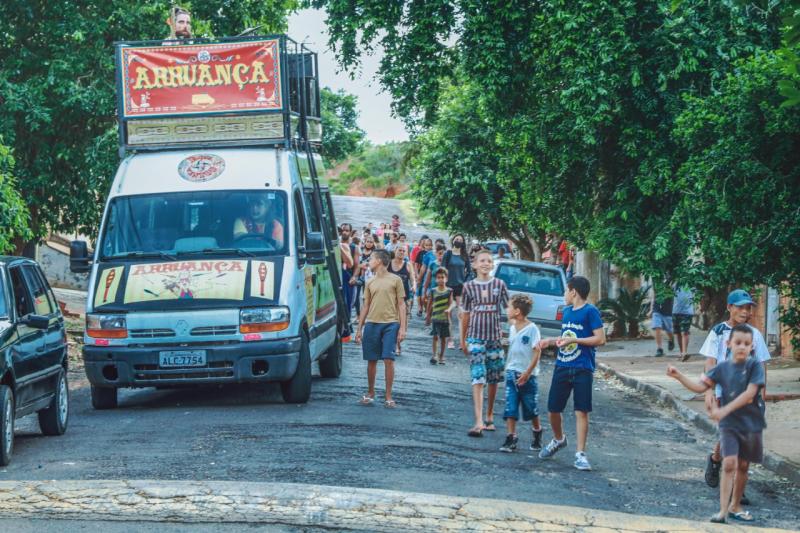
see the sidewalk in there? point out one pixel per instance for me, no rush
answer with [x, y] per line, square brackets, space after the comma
[635, 364]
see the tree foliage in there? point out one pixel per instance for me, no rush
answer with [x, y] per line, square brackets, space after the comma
[341, 136]
[13, 213]
[57, 91]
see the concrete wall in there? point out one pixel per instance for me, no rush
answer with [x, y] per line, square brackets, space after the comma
[54, 260]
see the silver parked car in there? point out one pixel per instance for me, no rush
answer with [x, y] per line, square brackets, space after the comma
[545, 284]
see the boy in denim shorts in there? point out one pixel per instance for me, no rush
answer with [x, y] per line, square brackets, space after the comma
[581, 331]
[482, 299]
[522, 370]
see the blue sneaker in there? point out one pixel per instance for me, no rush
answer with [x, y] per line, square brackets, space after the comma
[552, 447]
[581, 461]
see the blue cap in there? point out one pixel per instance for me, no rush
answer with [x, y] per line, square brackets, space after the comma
[740, 297]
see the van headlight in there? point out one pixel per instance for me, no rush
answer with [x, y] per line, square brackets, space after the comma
[260, 319]
[106, 326]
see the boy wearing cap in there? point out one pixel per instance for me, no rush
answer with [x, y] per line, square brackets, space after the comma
[715, 349]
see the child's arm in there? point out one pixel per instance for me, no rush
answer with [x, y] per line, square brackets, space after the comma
[401, 311]
[450, 303]
[598, 338]
[718, 413]
[694, 386]
[463, 325]
[364, 311]
[525, 376]
[428, 310]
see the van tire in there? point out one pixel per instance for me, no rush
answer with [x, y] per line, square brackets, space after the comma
[298, 389]
[54, 418]
[104, 397]
[331, 366]
[6, 424]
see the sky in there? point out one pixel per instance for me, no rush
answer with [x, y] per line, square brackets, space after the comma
[308, 25]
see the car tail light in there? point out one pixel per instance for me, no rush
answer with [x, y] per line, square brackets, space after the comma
[261, 319]
[560, 312]
[106, 326]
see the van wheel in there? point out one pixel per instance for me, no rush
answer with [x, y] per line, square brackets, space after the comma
[104, 397]
[53, 419]
[331, 366]
[298, 389]
[6, 424]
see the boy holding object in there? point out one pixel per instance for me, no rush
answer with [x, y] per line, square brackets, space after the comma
[740, 417]
[522, 370]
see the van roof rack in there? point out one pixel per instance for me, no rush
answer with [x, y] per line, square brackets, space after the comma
[205, 93]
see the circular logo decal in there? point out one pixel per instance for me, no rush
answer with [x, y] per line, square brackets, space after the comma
[203, 56]
[201, 167]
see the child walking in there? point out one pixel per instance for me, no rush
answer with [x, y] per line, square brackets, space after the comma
[740, 417]
[522, 371]
[482, 299]
[383, 321]
[439, 302]
[581, 332]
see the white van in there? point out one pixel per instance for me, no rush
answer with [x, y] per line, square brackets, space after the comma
[214, 263]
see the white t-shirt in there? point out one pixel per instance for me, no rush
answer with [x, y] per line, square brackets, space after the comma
[716, 346]
[521, 345]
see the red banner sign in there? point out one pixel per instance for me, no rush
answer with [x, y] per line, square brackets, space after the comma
[201, 78]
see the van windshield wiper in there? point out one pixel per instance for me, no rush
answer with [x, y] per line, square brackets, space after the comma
[220, 251]
[139, 255]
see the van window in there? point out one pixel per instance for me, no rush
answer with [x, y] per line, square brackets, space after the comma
[531, 279]
[313, 216]
[327, 210]
[42, 305]
[3, 298]
[299, 219]
[178, 223]
[22, 299]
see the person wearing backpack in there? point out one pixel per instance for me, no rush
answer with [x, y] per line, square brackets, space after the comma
[456, 262]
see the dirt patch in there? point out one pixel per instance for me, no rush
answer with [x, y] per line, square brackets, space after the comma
[358, 188]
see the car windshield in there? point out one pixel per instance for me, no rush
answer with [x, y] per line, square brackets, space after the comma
[172, 224]
[524, 278]
[3, 306]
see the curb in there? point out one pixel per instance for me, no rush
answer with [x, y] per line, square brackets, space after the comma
[772, 461]
[338, 508]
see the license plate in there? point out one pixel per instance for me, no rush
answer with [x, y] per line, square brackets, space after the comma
[182, 358]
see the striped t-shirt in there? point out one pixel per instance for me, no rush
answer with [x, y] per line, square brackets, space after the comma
[439, 304]
[484, 301]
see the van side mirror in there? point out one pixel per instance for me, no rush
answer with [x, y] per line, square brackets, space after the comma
[315, 248]
[79, 257]
[36, 321]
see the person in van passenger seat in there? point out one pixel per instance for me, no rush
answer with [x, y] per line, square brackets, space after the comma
[255, 222]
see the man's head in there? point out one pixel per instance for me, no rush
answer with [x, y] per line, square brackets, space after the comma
[740, 306]
[378, 259]
[519, 306]
[395, 236]
[577, 290]
[441, 277]
[440, 241]
[180, 23]
[258, 208]
[399, 252]
[483, 262]
[440, 249]
[740, 342]
[345, 229]
[501, 252]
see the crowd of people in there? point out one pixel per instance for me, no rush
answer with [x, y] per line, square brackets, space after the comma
[453, 285]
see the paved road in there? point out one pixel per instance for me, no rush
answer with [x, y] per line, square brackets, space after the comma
[644, 462]
[361, 210]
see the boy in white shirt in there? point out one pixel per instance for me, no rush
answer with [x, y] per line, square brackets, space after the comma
[522, 369]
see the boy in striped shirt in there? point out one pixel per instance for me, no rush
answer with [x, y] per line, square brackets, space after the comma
[482, 300]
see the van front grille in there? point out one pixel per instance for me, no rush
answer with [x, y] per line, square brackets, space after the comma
[154, 333]
[215, 330]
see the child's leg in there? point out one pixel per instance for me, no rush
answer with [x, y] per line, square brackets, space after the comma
[739, 483]
[536, 425]
[556, 424]
[435, 339]
[388, 366]
[492, 395]
[657, 334]
[726, 484]
[511, 426]
[685, 342]
[372, 370]
[477, 404]
[442, 345]
[511, 411]
[715, 453]
[582, 429]
[495, 366]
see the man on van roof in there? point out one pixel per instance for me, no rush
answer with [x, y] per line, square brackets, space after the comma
[180, 23]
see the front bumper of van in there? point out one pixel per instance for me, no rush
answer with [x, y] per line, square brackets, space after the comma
[237, 362]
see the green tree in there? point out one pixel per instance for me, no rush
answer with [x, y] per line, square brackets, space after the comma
[13, 213]
[57, 89]
[341, 136]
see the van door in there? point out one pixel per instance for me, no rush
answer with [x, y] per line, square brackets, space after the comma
[324, 297]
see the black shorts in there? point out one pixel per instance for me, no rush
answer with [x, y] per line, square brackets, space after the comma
[566, 381]
[441, 330]
[458, 290]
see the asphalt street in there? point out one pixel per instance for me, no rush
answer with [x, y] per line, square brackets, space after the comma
[644, 461]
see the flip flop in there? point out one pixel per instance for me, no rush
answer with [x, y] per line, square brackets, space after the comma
[390, 404]
[366, 400]
[718, 519]
[742, 516]
[488, 423]
[441, 362]
[475, 432]
[433, 360]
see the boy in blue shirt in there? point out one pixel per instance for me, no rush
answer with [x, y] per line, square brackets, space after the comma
[581, 332]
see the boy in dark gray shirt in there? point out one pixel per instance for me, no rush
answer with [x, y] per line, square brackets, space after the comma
[740, 417]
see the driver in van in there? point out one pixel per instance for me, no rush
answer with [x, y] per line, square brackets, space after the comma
[258, 220]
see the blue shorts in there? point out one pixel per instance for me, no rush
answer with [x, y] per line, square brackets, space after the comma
[527, 395]
[662, 322]
[486, 363]
[566, 380]
[379, 340]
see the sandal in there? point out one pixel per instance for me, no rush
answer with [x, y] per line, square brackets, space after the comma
[474, 432]
[718, 519]
[488, 425]
[433, 360]
[366, 400]
[685, 357]
[390, 404]
[441, 361]
[742, 516]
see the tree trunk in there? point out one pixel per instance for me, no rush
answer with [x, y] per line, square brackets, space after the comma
[633, 329]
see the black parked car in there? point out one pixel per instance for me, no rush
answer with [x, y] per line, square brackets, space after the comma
[33, 352]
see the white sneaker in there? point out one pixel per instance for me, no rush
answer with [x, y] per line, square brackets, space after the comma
[581, 461]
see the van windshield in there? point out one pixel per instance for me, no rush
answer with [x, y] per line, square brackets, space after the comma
[205, 222]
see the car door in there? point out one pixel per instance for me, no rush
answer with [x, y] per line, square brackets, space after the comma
[30, 346]
[44, 303]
